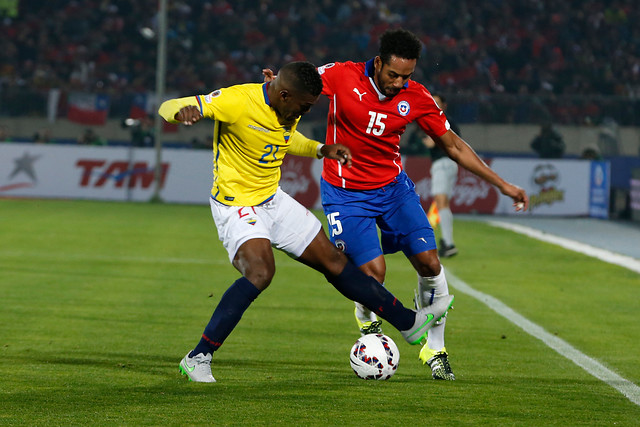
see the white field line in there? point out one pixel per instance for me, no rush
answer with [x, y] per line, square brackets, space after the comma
[630, 390]
[592, 366]
[601, 254]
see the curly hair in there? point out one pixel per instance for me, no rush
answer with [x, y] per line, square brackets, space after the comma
[401, 43]
[303, 76]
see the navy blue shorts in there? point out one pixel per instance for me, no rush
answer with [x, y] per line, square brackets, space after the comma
[395, 209]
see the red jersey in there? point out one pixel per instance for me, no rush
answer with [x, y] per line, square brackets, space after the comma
[370, 124]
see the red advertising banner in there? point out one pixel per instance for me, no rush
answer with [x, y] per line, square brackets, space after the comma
[299, 181]
[470, 195]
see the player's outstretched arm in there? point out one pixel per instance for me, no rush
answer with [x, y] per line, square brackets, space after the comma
[302, 146]
[458, 150]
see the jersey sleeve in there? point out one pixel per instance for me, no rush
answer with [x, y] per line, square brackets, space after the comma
[224, 105]
[329, 72]
[431, 118]
[302, 146]
[170, 108]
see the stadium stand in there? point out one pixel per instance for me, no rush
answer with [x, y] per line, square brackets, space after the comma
[585, 52]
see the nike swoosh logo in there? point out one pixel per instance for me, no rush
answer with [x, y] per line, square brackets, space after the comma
[429, 318]
[190, 368]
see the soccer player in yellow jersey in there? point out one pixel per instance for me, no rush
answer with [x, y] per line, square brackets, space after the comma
[255, 126]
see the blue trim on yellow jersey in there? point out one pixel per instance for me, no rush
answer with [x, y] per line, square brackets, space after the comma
[261, 203]
[265, 92]
[216, 143]
[200, 104]
[267, 200]
[369, 70]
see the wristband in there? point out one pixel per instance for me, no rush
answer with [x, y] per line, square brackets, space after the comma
[319, 150]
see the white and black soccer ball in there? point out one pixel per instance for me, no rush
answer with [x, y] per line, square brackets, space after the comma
[374, 357]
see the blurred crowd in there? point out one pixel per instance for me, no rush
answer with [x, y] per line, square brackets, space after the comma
[493, 46]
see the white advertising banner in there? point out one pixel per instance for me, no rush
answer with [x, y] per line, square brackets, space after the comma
[103, 173]
[555, 187]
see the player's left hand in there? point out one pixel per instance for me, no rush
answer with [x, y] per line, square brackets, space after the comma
[337, 152]
[518, 195]
[268, 74]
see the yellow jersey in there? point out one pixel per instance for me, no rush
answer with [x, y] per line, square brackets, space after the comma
[249, 143]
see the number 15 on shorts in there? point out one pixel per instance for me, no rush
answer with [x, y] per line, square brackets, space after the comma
[334, 224]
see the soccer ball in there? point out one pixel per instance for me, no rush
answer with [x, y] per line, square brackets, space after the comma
[374, 357]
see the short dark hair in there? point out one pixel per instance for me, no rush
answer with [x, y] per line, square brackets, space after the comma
[303, 76]
[401, 43]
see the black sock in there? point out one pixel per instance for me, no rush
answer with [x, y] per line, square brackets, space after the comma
[357, 286]
[227, 314]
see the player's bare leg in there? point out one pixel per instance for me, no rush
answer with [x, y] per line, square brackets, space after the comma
[255, 261]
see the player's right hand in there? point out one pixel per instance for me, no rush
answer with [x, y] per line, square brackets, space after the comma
[268, 74]
[338, 152]
[188, 115]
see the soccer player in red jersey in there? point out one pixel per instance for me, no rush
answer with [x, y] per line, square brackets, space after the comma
[370, 105]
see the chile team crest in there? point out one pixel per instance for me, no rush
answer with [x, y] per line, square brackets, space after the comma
[403, 108]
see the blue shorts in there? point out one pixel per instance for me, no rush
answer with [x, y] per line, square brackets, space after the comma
[395, 209]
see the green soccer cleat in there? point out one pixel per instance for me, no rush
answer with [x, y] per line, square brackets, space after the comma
[374, 327]
[370, 327]
[438, 361]
[427, 317]
[197, 368]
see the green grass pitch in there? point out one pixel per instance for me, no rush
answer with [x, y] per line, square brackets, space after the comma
[99, 302]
